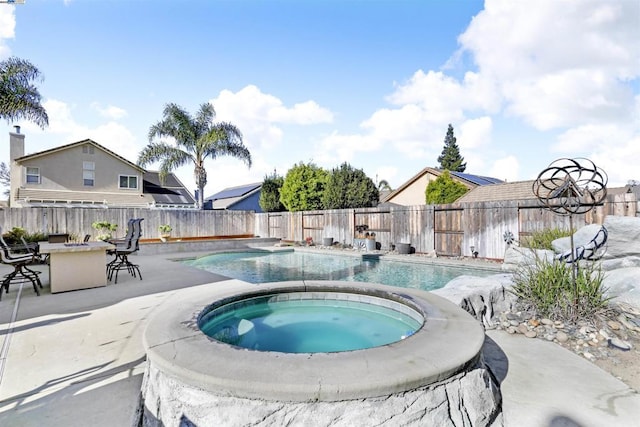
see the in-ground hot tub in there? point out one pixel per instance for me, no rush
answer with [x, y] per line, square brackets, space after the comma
[310, 322]
[432, 374]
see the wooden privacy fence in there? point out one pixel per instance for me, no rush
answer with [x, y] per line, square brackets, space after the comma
[449, 230]
[185, 223]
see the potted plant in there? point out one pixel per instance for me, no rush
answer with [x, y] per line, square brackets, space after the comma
[361, 229]
[165, 232]
[104, 229]
[370, 241]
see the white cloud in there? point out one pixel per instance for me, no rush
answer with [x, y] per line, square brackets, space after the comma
[110, 111]
[7, 29]
[612, 148]
[444, 98]
[558, 69]
[111, 135]
[337, 148]
[305, 113]
[259, 115]
[506, 169]
[474, 133]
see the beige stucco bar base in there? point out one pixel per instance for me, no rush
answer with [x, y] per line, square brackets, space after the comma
[76, 267]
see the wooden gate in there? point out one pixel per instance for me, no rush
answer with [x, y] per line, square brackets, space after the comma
[448, 230]
[275, 225]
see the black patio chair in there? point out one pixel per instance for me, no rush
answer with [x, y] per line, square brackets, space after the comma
[120, 242]
[123, 250]
[19, 261]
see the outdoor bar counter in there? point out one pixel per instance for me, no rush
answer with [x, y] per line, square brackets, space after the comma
[75, 266]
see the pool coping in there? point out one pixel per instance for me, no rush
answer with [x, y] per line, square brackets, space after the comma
[449, 342]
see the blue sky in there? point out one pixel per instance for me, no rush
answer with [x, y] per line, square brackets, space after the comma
[373, 83]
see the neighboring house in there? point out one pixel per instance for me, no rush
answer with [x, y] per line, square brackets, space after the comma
[83, 174]
[241, 198]
[412, 192]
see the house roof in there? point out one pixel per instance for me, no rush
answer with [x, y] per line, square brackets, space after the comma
[517, 190]
[75, 144]
[469, 180]
[170, 192]
[232, 195]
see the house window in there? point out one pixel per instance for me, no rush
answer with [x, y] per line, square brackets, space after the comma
[87, 149]
[33, 175]
[88, 173]
[129, 181]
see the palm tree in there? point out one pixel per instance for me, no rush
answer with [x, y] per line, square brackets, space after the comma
[384, 186]
[196, 139]
[19, 97]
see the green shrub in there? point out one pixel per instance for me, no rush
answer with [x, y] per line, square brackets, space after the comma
[548, 289]
[38, 236]
[444, 189]
[303, 187]
[13, 236]
[542, 239]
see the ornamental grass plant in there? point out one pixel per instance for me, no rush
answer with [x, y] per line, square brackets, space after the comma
[548, 289]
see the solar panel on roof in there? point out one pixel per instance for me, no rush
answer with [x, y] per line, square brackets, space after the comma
[234, 192]
[476, 179]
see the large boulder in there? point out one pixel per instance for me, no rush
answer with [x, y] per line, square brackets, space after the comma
[482, 297]
[582, 237]
[516, 256]
[624, 236]
[589, 243]
[616, 263]
[623, 285]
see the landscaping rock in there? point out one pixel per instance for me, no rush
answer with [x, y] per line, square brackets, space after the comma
[562, 337]
[580, 238]
[619, 344]
[624, 285]
[624, 236]
[482, 297]
[616, 263]
[516, 256]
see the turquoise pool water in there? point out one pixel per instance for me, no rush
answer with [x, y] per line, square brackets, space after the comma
[310, 323]
[263, 267]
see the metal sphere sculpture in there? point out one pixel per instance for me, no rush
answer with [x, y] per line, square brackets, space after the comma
[571, 186]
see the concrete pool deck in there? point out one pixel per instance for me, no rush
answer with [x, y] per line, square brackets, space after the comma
[77, 358]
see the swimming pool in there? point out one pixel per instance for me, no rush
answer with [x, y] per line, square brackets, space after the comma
[265, 267]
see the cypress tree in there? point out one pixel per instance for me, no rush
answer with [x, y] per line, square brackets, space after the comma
[450, 159]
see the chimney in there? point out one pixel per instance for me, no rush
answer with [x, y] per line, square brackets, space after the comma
[16, 144]
[16, 150]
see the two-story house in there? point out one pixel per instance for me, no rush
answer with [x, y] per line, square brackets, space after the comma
[86, 174]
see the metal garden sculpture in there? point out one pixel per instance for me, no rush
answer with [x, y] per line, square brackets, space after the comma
[570, 187]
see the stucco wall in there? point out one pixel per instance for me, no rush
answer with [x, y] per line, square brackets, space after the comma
[62, 170]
